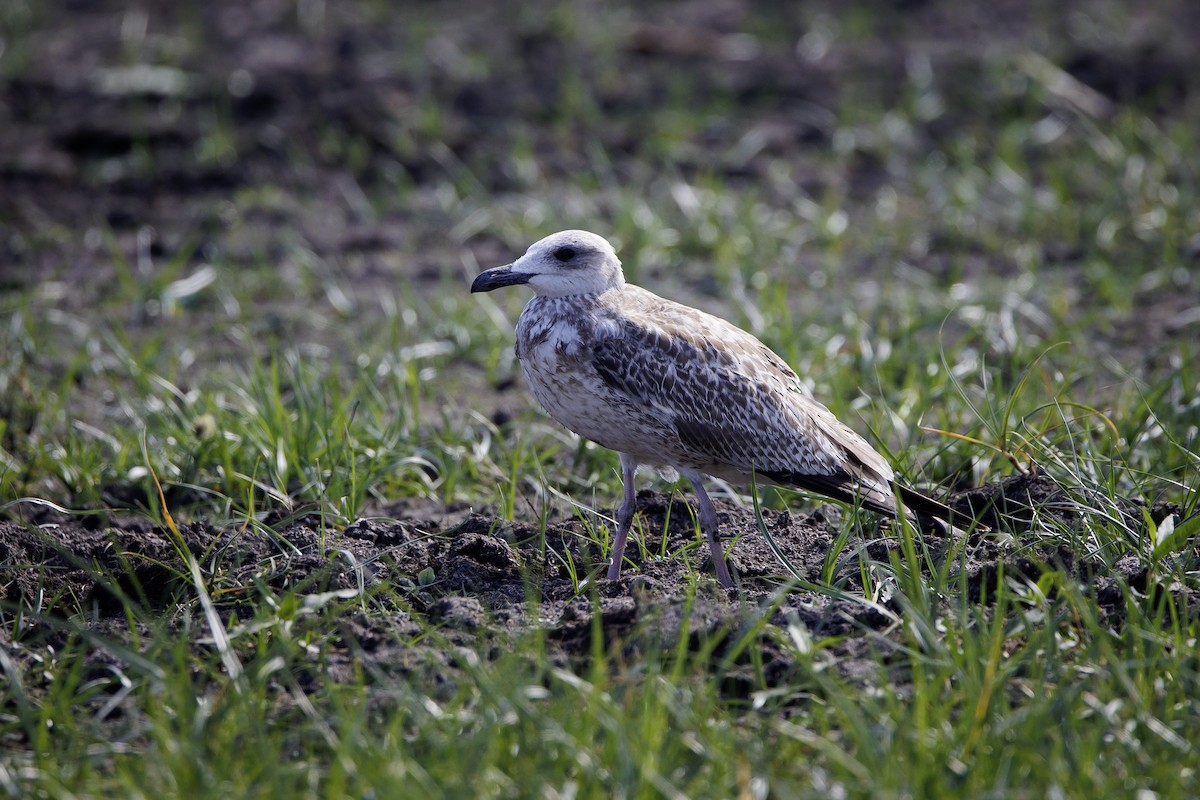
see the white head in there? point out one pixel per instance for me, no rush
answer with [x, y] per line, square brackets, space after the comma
[564, 263]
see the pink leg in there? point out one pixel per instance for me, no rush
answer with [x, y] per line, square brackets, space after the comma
[710, 526]
[624, 515]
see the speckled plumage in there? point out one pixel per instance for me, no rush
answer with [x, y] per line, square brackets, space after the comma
[668, 385]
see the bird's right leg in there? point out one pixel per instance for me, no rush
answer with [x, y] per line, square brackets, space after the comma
[624, 515]
[710, 525]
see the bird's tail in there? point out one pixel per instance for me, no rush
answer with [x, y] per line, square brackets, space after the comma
[925, 506]
[917, 503]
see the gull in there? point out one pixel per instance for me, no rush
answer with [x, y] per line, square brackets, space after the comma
[673, 387]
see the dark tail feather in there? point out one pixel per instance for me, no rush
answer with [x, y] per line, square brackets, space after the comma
[846, 488]
[917, 503]
[923, 506]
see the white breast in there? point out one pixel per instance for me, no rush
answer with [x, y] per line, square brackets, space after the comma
[554, 345]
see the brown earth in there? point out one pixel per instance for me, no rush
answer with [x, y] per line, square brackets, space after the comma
[479, 579]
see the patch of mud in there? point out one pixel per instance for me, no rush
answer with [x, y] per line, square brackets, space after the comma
[1023, 499]
[480, 580]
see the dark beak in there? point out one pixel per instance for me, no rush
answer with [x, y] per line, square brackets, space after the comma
[500, 276]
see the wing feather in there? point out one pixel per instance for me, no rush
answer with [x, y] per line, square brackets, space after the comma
[731, 400]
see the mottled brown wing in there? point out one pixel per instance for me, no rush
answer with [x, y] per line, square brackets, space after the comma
[733, 402]
[736, 404]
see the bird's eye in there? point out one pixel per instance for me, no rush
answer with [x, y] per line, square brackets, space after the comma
[564, 253]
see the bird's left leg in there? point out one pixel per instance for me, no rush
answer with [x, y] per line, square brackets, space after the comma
[710, 526]
[624, 514]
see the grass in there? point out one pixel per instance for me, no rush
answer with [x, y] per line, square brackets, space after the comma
[985, 696]
[978, 267]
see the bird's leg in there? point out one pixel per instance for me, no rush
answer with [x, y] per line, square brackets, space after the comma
[624, 515]
[710, 526]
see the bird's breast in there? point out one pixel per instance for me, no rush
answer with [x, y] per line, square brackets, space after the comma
[556, 357]
[556, 360]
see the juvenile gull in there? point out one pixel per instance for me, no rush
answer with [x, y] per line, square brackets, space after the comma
[667, 385]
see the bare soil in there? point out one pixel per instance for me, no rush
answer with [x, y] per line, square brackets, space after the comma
[481, 580]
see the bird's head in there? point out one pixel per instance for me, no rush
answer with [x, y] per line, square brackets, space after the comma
[564, 263]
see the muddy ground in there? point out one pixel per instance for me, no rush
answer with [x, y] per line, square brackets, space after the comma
[480, 580]
[97, 157]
